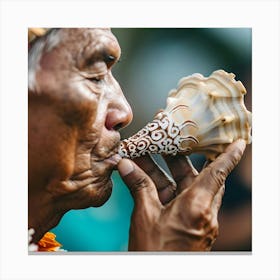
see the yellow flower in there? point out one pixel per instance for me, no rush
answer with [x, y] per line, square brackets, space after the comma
[36, 32]
[48, 243]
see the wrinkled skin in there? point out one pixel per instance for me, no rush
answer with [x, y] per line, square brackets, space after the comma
[73, 118]
[75, 111]
[179, 214]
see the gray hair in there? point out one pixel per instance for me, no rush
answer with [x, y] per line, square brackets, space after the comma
[39, 47]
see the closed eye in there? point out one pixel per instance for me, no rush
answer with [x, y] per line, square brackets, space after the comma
[95, 79]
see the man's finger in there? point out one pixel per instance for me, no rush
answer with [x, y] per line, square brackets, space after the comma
[139, 183]
[214, 175]
[217, 201]
[165, 185]
[182, 171]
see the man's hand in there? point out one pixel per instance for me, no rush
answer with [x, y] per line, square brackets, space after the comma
[180, 215]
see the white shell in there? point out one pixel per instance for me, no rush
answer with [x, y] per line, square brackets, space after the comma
[202, 115]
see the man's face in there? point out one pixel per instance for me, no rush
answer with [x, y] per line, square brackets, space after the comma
[74, 114]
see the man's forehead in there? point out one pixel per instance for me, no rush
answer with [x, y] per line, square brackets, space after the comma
[88, 35]
[90, 38]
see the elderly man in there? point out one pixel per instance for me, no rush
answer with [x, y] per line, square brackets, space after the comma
[76, 108]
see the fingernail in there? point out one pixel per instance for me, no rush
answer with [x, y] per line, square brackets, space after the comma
[125, 167]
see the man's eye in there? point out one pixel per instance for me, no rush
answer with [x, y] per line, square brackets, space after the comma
[95, 79]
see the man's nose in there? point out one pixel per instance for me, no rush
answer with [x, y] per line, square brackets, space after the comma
[119, 114]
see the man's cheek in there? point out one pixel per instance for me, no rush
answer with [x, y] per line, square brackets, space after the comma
[51, 143]
[70, 98]
[77, 107]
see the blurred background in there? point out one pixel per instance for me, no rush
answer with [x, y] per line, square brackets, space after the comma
[152, 62]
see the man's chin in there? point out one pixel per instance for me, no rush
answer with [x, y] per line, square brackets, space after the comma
[103, 194]
[102, 189]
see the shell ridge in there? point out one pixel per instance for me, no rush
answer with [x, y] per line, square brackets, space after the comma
[204, 114]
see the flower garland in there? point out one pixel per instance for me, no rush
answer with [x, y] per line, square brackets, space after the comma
[46, 244]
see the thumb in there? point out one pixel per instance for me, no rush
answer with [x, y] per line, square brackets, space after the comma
[139, 183]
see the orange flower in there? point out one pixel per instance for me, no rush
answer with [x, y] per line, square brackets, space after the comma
[48, 243]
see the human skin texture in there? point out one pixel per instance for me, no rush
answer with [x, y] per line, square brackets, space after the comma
[179, 213]
[75, 109]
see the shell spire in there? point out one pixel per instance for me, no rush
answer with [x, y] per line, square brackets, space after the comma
[203, 115]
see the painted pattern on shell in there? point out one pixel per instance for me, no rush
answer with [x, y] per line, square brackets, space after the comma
[161, 136]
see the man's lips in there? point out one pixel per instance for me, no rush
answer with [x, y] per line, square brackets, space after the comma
[113, 160]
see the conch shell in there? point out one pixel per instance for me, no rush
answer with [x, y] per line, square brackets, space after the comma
[203, 115]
